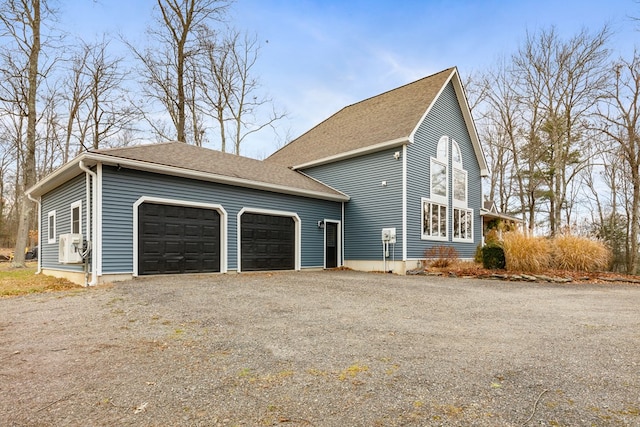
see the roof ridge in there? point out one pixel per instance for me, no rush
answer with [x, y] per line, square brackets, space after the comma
[125, 147]
[398, 88]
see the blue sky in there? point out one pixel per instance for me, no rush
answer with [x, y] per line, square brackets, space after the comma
[322, 55]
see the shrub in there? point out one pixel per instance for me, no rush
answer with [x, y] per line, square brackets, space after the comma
[579, 254]
[524, 253]
[493, 257]
[477, 257]
[441, 256]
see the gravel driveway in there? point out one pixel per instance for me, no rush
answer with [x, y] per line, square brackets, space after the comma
[335, 348]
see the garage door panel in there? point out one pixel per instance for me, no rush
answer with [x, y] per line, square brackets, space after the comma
[152, 247]
[192, 230]
[178, 239]
[210, 231]
[173, 266]
[173, 248]
[267, 242]
[191, 248]
[173, 230]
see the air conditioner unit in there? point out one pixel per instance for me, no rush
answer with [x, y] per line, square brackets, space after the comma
[70, 248]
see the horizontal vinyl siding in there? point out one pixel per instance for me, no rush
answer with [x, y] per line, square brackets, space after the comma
[60, 200]
[445, 118]
[122, 188]
[372, 206]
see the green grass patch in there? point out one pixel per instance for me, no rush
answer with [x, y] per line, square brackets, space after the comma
[23, 281]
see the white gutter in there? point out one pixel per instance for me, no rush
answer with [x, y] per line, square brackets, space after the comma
[37, 202]
[91, 227]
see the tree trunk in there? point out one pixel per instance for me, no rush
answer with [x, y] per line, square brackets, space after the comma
[29, 168]
[632, 260]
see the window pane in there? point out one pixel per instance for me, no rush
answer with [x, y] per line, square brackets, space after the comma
[443, 148]
[438, 179]
[459, 185]
[52, 221]
[469, 222]
[75, 220]
[426, 223]
[456, 223]
[443, 221]
[456, 157]
[434, 220]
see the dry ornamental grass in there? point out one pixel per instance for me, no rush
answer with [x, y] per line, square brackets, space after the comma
[565, 252]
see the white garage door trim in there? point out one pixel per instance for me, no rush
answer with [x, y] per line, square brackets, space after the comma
[174, 202]
[298, 232]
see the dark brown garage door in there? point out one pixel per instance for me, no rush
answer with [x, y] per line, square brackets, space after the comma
[267, 242]
[177, 239]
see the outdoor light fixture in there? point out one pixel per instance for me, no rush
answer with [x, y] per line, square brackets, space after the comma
[321, 224]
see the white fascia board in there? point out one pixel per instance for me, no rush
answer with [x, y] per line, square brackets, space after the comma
[66, 172]
[354, 153]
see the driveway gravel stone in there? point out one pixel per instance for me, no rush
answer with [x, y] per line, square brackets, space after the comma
[323, 348]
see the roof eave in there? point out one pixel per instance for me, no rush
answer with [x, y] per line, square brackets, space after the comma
[72, 169]
[61, 175]
[398, 142]
[488, 214]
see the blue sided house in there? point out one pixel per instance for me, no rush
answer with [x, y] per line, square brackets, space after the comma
[370, 188]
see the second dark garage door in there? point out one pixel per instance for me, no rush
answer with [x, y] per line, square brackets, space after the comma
[267, 242]
[177, 239]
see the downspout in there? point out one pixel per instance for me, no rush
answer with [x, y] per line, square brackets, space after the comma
[342, 235]
[91, 225]
[37, 202]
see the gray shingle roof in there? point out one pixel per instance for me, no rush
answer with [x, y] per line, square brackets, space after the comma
[386, 117]
[217, 163]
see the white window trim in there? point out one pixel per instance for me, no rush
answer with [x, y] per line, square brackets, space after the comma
[436, 198]
[51, 214]
[75, 205]
[422, 210]
[470, 214]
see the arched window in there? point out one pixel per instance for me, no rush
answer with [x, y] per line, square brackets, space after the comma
[438, 211]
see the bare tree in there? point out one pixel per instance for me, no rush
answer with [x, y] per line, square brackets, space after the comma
[76, 93]
[620, 117]
[502, 126]
[107, 107]
[231, 91]
[561, 82]
[165, 63]
[21, 22]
